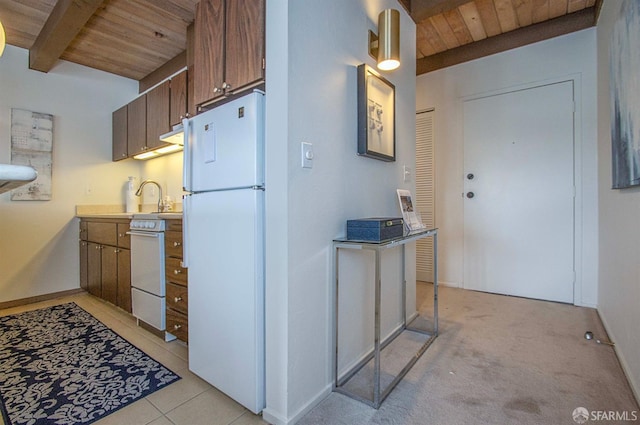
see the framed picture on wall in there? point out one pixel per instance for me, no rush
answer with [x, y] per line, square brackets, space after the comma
[625, 115]
[376, 115]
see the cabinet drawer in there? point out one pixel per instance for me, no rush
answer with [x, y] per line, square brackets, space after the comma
[173, 244]
[178, 325]
[174, 225]
[174, 272]
[177, 298]
[102, 233]
[124, 240]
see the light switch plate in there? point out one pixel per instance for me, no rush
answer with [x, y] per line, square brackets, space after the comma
[307, 155]
[406, 172]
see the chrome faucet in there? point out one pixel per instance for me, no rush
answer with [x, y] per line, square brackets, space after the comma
[160, 202]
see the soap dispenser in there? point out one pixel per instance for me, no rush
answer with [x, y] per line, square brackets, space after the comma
[132, 199]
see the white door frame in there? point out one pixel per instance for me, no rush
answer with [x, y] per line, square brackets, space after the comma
[576, 79]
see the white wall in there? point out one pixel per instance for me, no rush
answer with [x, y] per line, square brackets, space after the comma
[313, 49]
[571, 56]
[619, 233]
[39, 239]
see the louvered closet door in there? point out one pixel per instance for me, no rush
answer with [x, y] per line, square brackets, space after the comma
[425, 199]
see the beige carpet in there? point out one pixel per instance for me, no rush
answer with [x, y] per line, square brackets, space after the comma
[498, 360]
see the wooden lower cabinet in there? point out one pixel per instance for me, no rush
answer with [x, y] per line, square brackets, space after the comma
[105, 260]
[124, 279]
[178, 325]
[176, 282]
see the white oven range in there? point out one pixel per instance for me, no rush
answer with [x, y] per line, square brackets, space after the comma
[147, 271]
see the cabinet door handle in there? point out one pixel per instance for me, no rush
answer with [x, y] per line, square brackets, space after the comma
[226, 86]
[217, 90]
[177, 299]
[177, 244]
[176, 327]
[177, 271]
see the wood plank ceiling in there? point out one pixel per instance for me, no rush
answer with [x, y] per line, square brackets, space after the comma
[134, 38]
[454, 31]
[131, 38]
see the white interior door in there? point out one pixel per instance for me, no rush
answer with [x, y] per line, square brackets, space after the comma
[519, 193]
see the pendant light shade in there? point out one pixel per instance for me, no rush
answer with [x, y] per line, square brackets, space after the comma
[385, 47]
[389, 39]
[3, 39]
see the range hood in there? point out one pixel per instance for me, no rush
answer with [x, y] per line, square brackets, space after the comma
[175, 137]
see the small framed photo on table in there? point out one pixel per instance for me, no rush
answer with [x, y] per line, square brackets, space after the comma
[376, 115]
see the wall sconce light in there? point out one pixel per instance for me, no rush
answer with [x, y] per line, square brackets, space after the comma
[3, 39]
[385, 47]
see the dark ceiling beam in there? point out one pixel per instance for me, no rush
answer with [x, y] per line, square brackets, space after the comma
[598, 7]
[423, 9]
[527, 35]
[65, 22]
[165, 71]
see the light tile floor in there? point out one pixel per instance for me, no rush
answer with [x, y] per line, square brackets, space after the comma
[190, 401]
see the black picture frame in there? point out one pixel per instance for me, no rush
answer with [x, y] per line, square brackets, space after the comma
[376, 115]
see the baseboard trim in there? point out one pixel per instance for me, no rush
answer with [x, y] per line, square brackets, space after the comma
[40, 298]
[635, 389]
[275, 419]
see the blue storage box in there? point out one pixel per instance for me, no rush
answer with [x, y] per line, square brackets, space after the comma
[375, 229]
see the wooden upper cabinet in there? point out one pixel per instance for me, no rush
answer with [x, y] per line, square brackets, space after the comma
[157, 114]
[209, 50]
[244, 44]
[229, 47]
[137, 125]
[178, 101]
[119, 134]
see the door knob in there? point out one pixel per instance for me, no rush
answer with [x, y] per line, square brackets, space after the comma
[470, 176]
[470, 195]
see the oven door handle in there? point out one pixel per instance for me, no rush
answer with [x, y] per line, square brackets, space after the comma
[145, 234]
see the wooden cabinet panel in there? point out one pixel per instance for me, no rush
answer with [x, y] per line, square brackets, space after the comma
[209, 50]
[84, 266]
[244, 43]
[157, 114]
[124, 240]
[137, 126]
[174, 272]
[177, 324]
[178, 99]
[102, 233]
[124, 279]
[177, 297]
[119, 134]
[94, 269]
[83, 230]
[109, 268]
[173, 243]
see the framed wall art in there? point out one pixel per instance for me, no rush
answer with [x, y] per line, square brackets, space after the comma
[624, 62]
[376, 115]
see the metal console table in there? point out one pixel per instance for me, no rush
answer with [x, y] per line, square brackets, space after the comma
[379, 394]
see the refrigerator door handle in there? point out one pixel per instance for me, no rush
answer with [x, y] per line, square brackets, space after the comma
[186, 210]
[186, 157]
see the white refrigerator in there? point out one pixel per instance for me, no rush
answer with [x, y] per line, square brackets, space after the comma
[223, 227]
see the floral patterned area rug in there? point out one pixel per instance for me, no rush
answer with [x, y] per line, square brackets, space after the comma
[60, 365]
